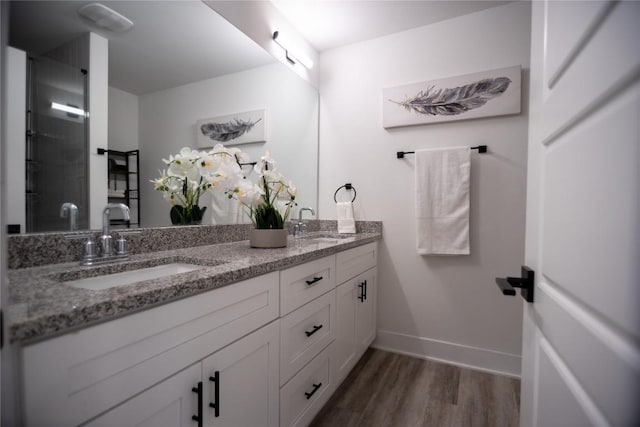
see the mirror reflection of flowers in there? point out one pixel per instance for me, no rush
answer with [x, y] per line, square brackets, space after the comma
[182, 185]
[267, 202]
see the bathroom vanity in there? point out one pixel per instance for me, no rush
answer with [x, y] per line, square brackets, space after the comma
[252, 337]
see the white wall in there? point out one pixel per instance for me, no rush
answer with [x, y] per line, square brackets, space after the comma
[98, 126]
[123, 120]
[167, 123]
[440, 307]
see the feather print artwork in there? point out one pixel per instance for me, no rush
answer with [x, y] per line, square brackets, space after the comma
[457, 100]
[470, 96]
[227, 131]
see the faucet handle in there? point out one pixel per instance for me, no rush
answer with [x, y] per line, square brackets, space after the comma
[121, 243]
[89, 245]
[121, 246]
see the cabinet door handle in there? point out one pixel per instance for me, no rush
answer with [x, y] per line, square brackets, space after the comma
[315, 329]
[315, 279]
[198, 391]
[361, 297]
[312, 392]
[365, 290]
[215, 379]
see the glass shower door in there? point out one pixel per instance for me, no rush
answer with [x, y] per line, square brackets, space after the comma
[56, 145]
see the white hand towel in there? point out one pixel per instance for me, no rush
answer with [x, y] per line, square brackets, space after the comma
[225, 210]
[346, 221]
[442, 201]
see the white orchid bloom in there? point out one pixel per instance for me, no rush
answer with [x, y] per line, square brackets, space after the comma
[248, 194]
[286, 190]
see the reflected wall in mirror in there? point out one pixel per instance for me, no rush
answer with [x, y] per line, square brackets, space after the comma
[181, 62]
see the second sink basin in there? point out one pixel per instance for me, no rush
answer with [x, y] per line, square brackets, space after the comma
[110, 275]
[326, 237]
[133, 276]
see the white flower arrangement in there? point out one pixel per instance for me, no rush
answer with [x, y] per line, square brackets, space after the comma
[191, 173]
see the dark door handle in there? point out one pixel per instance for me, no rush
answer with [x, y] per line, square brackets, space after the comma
[315, 279]
[312, 392]
[365, 290]
[315, 329]
[199, 418]
[362, 295]
[215, 379]
[525, 283]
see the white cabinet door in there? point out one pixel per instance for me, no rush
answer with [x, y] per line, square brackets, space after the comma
[365, 311]
[355, 321]
[247, 389]
[171, 403]
[345, 344]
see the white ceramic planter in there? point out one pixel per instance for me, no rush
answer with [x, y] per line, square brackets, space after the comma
[268, 238]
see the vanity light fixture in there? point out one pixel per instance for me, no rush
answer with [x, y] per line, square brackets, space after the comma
[68, 109]
[292, 53]
[105, 17]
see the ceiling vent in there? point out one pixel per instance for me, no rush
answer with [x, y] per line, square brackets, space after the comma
[105, 18]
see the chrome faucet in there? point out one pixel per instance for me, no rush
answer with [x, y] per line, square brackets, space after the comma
[71, 210]
[300, 227]
[106, 241]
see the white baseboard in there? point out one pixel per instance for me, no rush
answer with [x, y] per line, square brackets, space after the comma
[477, 358]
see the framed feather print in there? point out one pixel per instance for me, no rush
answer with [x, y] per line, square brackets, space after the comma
[470, 96]
[240, 128]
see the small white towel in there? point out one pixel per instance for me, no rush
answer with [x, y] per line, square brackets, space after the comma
[116, 194]
[225, 210]
[346, 221]
[442, 201]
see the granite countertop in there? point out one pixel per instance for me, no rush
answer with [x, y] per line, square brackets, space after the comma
[41, 305]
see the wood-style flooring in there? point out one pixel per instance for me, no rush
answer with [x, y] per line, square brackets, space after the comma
[388, 389]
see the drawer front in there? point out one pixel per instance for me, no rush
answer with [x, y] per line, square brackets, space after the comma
[305, 332]
[79, 375]
[354, 261]
[306, 393]
[303, 283]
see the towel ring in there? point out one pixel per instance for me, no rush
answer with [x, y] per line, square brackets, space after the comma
[347, 186]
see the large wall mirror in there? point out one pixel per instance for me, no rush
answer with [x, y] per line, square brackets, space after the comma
[143, 90]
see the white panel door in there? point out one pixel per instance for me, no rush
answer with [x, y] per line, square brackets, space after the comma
[248, 388]
[171, 403]
[581, 352]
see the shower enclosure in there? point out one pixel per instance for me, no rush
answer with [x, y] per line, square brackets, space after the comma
[56, 151]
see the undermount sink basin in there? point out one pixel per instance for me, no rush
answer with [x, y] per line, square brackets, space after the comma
[327, 237]
[133, 276]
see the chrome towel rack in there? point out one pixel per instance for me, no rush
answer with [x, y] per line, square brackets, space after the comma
[480, 148]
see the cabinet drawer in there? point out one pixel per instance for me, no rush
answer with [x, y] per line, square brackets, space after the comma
[303, 283]
[354, 261]
[305, 332]
[77, 376]
[303, 396]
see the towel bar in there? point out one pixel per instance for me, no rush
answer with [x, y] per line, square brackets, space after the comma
[480, 148]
